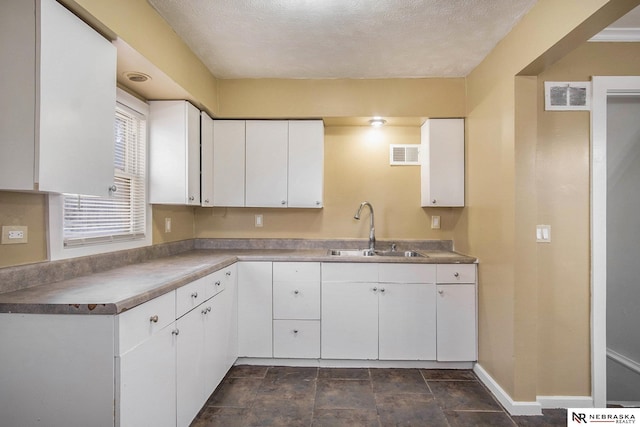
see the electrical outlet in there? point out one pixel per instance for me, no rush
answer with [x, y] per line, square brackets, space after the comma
[14, 234]
[435, 222]
[167, 225]
[259, 222]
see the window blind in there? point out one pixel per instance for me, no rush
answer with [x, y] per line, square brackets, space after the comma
[93, 220]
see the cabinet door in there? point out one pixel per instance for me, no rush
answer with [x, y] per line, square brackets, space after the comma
[47, 116]
[216, 342]
[147, 389]
[255, 314]
[174, 153]
[297, 339]
[75, 110]
[206, 154]
[349, 323]
[266, 163]
[407, 321]
[457, 337]
[190, 361]
[306, 164]
[442, 170]
[228, 162]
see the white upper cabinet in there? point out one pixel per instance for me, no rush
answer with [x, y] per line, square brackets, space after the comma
[58, 89]
[442, 170]
[306, 164]
[266, 163]
[174, 153]
[227, 163]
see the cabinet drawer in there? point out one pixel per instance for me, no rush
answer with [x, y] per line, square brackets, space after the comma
[190, 296]
[215, 282]
[407, 273]
[456, 273]
[141, 322]
[296, 272]
[349, 272]
[296, 300]
[296, 339]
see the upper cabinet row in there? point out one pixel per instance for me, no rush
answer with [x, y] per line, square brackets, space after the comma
[196, 160]
[58, 89]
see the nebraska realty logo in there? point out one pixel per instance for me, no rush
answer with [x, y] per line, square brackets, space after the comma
[585, 416]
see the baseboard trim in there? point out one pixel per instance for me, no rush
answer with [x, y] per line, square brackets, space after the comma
[514, 408]
[553, 402]
[344, 363]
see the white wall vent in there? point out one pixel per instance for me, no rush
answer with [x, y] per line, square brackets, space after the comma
[567, 96]
[404, 155]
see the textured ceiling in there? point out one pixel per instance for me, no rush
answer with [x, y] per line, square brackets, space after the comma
[341, 38]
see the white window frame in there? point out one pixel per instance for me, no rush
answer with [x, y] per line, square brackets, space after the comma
[57, 249]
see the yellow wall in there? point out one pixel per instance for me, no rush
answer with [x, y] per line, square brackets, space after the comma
[500, 153]
[251, 98]
[563, 164]
[24, 209]
[356, 169]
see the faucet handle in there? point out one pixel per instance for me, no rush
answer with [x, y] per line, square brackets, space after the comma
[394, 247]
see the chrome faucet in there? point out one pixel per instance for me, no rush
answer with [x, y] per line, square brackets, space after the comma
[372, 230]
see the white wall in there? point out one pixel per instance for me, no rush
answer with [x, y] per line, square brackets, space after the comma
[623, 245]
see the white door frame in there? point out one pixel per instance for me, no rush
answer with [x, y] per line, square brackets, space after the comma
[603, 87]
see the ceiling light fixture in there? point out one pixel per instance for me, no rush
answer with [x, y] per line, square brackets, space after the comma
[377, 122]
[136, 76]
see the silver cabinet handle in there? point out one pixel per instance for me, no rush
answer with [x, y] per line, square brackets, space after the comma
[217, 283]
[203, 311]
[154, 318]
[318, 203]
[175, 331]
[375, 289]
[441, 292]
[194, 295]
[295, 331]
[192, 198]
[434, 201]
[208, 309]
[228, 273]
[206, 200]
[284, 202]
[456, 274]
[382, 290]
[113, 188]
[296, 292]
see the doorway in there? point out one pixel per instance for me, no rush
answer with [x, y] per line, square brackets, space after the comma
[614, 168]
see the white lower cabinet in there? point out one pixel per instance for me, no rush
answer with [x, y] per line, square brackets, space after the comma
[349, 320]
[390, 317]
[190, 357]
[255, 312]
[147, 382]
[296, 339]
[407, 321]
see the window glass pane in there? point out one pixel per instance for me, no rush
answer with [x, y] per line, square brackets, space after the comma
[121, 216]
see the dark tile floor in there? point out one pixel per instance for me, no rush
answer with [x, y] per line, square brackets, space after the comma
[287, 396]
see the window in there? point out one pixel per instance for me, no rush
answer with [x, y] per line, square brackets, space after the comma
[91, 224]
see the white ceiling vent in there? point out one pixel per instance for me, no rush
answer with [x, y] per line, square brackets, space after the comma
[404, 155]
[567, 96]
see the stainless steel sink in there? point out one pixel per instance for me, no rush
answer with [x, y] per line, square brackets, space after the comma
[368, 252]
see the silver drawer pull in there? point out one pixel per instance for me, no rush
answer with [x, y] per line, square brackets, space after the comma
[456, 274]
[194, 295]
[217, 283]
[296, 292]
[441, 292]
[154, 319]
[382, 290]
[295, 331]
[208, 309]
[228, 273]
[175, 331]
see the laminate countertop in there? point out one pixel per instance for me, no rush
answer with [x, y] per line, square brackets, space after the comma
[120, 289]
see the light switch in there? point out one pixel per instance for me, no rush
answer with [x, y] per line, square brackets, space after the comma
[167, 225]
[435, 222]
[543, 233]
[259, 222]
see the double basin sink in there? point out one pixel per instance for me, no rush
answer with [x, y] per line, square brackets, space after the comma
[373, 253]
